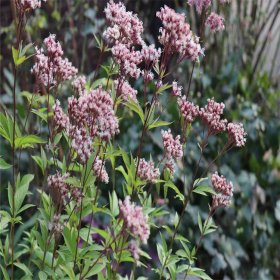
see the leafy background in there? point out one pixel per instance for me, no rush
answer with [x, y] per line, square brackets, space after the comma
[235, 70]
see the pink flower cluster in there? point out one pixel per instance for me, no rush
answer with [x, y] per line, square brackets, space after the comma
[236, 134]
[134, 247]
[188, 110]
[173, 147]
[95, 109]
[128, 60]
[215, 22]
[126, 91]
[146, 171]
[24, 5]
[150, 55]
[134, 219]
[224, 191]
[176, 35]
[60, 118]
[59, 189]
[176, 91]
[100, 171]
[210, 116]
[78, 85]
[55, 226]
[81, 142]
[52, 69]
[200, 4]
[123, 27]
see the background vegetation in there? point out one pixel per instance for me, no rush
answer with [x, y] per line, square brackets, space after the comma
[247, 244]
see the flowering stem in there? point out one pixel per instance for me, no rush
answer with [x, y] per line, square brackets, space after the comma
[122, 246]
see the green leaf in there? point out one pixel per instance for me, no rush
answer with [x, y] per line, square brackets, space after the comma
[15, 54]
[199, 222]
[197, 181]
[39, 162]
[203, 189]
[24, 207]
[3, 164]
[136, 108]
[72, 181]
[163, 87]
[69, 271]
[39, 239]
[23, 267]
[40, 114]
[164, 245]
[200, 274]
[172, 186]
[27, 141]
[10, 196]
[70, 242]
[6, 276]
[97, 83]
[42, 275]
[159, 123]
[20, 60]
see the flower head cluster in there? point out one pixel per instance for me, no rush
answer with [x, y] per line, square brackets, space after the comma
[134, 247]
[200, 4]
[236, 134]
[126, 91]
[95, 109]
[147, 76]
[52, 69]
[170, 164]
[210, 116]
[128, 60]
[81, 142]
[123, 27]
[187, 110]
[60, 119]
[54, 48]
[134, 219]
[224, 191]
[78, 85]
[176, 35]
[173, 147]
[146, 171]
[150, 54]
[59, 189]
[77, 195]
[24, 5]
[215, 22]
[55, 226]
[176, 91]
[99, 170]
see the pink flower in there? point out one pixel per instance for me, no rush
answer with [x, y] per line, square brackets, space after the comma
[224, 191]
[123, 27]
[170, 164]
[176, 91]
[28, 4]
[54, 48]
[210, 116]
[128, 60]
[134, 219]
[236, 134]
[150, 54]
[59, 189]
[126, 91]
[60, 119]
[176, 35]
[146, 171]
[98, 172]
[215, 22]
[200, 4]
[134, 247]
[78, 85]
[173, 147]
[187, 110]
